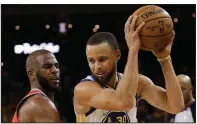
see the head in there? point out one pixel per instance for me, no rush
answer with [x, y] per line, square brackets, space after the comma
[103, 53]
[186, 86]
[43, 70]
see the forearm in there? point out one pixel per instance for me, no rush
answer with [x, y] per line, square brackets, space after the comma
[127, 87]
[173, 89]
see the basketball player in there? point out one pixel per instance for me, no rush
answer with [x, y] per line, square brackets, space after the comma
[109, 96]
[38, 105]
[187, 114]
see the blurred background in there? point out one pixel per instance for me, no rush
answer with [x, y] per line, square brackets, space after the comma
[65, 29]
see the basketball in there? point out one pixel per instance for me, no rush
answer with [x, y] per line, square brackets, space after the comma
[157, 31]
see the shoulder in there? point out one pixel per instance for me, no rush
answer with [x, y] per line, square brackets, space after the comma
[85, 87]
[143, 83]
[36, 104]
[38, 100]
[32, 107]
[85, 84]
[38, 108]
[144, 80]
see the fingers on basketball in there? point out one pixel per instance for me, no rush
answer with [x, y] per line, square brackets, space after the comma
[140, 27]
[132, 25]
[127, 24]
[172, 39]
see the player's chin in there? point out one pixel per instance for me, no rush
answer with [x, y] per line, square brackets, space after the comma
[101, 79]
[55, 86]
[56, 89]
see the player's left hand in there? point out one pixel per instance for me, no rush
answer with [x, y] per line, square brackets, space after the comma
[162, 53]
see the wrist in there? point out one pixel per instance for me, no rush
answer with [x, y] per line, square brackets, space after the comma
[133, 50]
[164, 58]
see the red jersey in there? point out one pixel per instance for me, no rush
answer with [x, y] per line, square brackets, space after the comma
[31, 93]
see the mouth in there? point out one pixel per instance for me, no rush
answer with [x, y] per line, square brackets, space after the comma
[55, 79]
[100, 74]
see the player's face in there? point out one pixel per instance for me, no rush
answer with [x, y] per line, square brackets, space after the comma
[102, 61]
[48, 74]
[186, 90]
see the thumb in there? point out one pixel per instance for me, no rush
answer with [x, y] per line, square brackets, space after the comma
[172, 39]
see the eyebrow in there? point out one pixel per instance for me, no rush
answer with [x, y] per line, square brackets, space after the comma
[102, 56]
[98, 57]
[90, 58]
[45, 63]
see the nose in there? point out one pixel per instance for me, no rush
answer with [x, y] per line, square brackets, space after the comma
[54, 70]
[97, 65]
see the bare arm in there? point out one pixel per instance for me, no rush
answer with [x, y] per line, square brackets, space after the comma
[121, 99]
[38, 109]
[159, 97]
[171, 99]
[173, 89]
[91, 94]
[127, 87]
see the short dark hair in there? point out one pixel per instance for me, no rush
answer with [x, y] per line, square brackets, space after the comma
[32, 58]
[101, 37]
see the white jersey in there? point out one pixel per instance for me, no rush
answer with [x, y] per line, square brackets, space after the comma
[106, 116]
[185, 116]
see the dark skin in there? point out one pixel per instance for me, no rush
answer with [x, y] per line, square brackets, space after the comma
[38, 108]
[186, 87]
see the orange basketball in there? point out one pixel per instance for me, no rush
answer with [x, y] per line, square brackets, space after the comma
[157, 31]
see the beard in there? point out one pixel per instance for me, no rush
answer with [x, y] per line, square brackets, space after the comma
[105, 80]
[46, 84]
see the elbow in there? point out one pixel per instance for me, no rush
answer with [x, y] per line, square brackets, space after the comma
[176, 106]
[126, 106]
[177, 109]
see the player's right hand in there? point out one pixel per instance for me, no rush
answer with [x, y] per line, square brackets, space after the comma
[132, 34]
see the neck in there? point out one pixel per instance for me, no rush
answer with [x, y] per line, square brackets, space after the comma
[114, 80]
[189, 100]
[50, 95]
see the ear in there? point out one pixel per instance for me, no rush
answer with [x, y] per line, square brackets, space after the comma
[117, 54]
[31, 74]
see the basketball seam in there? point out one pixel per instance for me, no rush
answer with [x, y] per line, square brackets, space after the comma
[156, 36]
[147, 47]
[143, 10]
[156, 19]
[151, 19]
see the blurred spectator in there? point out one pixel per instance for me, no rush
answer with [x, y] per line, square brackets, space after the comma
[142, 111]
[156, 117]
[188, 114]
